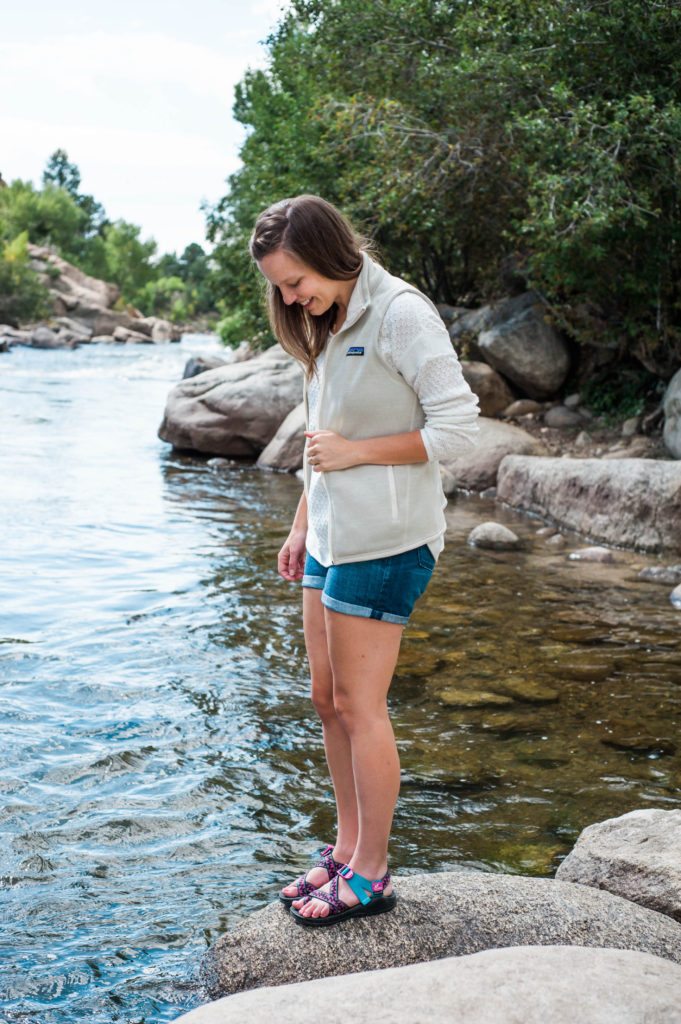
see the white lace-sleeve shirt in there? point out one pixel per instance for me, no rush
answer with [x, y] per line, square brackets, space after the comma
[439, 384]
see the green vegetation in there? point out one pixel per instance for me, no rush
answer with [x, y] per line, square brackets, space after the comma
[22, 296]
[482, 143]
[76, 226]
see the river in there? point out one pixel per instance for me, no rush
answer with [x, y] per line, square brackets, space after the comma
[161, 766]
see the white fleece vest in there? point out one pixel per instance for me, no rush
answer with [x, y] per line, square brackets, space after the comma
[374, 511]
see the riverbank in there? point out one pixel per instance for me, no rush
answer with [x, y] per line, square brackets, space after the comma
[477, 943]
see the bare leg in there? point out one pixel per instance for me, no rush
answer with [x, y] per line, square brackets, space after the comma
[336, 740]
[363, 654]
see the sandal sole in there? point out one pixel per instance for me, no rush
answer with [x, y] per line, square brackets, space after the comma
[382, 906]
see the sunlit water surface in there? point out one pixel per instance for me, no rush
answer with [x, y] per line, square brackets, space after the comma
[161, 767]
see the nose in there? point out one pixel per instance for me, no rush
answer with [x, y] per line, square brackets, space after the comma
[288, 295]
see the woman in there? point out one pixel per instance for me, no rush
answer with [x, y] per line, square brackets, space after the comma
[385, 399]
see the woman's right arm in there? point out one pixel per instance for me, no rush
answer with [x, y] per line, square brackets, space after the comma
[291, 560]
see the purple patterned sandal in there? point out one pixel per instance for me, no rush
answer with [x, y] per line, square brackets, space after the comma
[304, 887]
[369, 892]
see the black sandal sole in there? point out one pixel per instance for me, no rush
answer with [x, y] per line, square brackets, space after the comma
[379, 906]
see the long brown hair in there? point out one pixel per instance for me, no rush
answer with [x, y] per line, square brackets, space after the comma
[317, 234]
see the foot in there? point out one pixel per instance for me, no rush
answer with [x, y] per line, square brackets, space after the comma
[316, 876]
[308, 906]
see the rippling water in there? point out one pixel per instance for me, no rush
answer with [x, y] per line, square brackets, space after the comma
[161, 768]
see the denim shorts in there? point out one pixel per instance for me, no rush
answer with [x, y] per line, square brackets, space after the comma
[380, 588]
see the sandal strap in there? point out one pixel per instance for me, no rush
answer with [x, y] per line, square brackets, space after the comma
[328, 861]
[365, 889]
[332, 898]
[330, 865]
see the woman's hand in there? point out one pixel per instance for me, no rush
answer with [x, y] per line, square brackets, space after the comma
[327, 451]
[291, 559]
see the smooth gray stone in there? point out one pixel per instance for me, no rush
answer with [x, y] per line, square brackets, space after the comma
[476, 467]
[285, 450]
[637, 856]
[495, 536]
[516, 985]
[437, 915]
[234, 410]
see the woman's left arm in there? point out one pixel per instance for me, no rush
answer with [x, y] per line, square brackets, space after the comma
[414, 343]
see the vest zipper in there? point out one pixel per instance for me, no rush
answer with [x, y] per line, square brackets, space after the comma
[393, 493]
[322, 382]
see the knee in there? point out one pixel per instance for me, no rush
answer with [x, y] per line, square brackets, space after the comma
[322, 699]
[354, 712]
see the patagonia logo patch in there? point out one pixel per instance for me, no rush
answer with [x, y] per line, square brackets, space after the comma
[355, 350]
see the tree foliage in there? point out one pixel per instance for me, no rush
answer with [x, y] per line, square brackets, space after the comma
[474, 137]
[75, 225]
[22, 296]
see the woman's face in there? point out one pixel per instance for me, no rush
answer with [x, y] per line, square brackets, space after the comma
[299, 283]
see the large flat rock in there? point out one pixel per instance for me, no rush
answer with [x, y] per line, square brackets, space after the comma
[516, 985]
[437, 915]
[628, 502]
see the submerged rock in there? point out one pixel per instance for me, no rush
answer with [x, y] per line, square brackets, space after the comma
[593, 554]
[456, 697]
[495, 536]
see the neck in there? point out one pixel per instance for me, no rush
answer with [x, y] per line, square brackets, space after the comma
[345, 290]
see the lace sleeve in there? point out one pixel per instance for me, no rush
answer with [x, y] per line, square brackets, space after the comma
[414, 342]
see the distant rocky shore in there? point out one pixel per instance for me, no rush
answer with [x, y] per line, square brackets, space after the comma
[600, 942]
[83, 311]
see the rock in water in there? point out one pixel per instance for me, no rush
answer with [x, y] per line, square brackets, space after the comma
[285, 450]
[637, 856]
[495, 536]
[234, 410]
[630, 502]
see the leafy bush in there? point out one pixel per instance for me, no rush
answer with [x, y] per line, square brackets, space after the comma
[22, 294]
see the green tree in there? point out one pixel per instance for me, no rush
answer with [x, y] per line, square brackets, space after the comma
[49, 216]
[61, 173]
[467, 136]
[128, 259]
[22, 295]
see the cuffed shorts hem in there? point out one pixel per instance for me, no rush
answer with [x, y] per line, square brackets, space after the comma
[358, 609]
[316, 582]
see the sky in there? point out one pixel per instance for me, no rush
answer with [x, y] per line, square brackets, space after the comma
[139, 93]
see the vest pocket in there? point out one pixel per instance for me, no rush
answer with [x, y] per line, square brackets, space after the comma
[393, 493]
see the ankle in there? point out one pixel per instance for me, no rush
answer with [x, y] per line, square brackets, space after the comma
[369, 869]
[343, 854]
